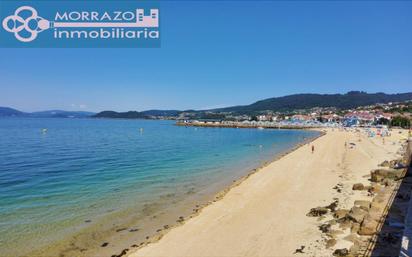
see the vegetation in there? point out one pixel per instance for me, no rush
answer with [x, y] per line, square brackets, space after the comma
[120, 115]
[349, 100]
[400, 121]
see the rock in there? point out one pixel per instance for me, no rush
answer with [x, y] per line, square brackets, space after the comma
[318, 211]
[375, 213]
[300, 250]
[385, 164]
[341, 213]
[325, 228]
[105, 244]
[358, 186]
[332, 222]
[123, 252]
[387, 182]
[332, 207]
[355, 249]
[351, 238]
[330, 243]
[356, 214]
[368, 227]
[363, 204]
[341, 252]
[345, 223]
[379, 175]
[374, 188]
[355, 228]
[334, 233]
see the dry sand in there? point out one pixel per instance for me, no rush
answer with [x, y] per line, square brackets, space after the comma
[266, 214]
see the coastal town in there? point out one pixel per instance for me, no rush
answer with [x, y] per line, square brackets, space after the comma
[380, 115]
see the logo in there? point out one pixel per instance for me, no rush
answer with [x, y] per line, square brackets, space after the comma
[105, 25]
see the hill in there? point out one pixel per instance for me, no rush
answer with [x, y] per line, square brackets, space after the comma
[120, 115]
[161, 113]
[349, 100]
[10, 112]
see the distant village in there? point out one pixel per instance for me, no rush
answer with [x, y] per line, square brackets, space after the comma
[380, 115]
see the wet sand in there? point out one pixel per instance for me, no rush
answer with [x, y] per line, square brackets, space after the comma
[265, 215]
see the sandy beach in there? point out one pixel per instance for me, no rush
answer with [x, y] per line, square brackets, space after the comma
[266, 214]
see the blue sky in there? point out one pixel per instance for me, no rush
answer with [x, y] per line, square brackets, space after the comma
[224, 53]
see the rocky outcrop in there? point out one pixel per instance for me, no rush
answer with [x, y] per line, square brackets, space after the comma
[356, 214]
[379, 175]
[369, 226]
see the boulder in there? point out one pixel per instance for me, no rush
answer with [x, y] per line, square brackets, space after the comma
[368, 227]
[345, 223]
[374, 188]
[387, 182]
[379, 175]
[341, 213]
[352, 238]
[317, 212]
[358, 186]
[330, 243]
[354, 249]
[341, 252]
[385, 164]
[356, 214]
[363, 204]
[325, 228]
[355, 228]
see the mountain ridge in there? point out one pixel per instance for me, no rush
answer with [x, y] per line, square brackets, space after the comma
[11, 112]
[349, 100]
[352, 99]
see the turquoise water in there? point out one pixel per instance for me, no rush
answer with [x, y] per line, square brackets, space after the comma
[72, 187]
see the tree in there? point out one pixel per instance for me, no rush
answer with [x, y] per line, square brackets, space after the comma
[401, 121]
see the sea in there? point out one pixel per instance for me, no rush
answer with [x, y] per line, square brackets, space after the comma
[94, 187]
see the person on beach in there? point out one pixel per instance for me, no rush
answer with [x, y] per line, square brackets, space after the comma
[313, 148]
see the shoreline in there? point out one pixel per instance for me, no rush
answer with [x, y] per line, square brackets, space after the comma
[154, 228]
[220, 195]
[249, 126]
[156, 241]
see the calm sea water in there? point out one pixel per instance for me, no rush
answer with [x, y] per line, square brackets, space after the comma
[88, 181]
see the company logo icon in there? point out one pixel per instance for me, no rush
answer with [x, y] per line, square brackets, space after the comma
[34, 24]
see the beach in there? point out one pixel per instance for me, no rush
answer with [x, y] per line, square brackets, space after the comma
[108, 186]
[266, 214]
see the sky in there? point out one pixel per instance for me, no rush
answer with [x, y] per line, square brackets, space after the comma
[216, 54]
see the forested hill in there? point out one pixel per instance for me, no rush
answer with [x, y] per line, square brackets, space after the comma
[349, 100]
